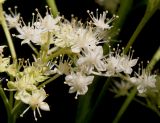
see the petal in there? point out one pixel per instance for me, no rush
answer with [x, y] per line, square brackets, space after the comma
[44, 106]
[133, 80]
[81, 60]
[24, 97]
[141, 89]
[89, 80]
[72, 90]
[75, 49]
[133, 62]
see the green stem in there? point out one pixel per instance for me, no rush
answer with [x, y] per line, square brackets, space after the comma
[125, 7]
[11, 117]
[125, 105]
[45, 48]
[52, 5]
[123, 11]
[60, 52]
[98, 100]
[33, 48]
[85, 103]
[8, 35]
[83, 107]
[103, 92]
[16, 107]
[143, 104]
[5, 100]
[49, 80]
[154, 60]
[140, 102]
[152, 6]
[152, 107]
[11, 96]
[136, 32]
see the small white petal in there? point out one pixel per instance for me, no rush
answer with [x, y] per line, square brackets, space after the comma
[44, 106]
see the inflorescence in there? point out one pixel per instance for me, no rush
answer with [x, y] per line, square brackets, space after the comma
[69, 48]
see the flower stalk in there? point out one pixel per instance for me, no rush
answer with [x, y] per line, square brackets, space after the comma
[100, 98]
[152, 6]
[11, 118]
[155, 59]
[49, 81]
[125, 105]
[8, 35]
[52, 5]
[123, 11]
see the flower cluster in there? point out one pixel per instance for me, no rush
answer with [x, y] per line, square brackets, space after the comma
[66, 47]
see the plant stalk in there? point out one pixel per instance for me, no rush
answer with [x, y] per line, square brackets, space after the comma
[52, 5]
[125, 105]
[8, 35]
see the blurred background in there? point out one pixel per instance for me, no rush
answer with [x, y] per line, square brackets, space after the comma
[63, 105]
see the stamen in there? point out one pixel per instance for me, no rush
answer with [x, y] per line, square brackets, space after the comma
[15, 9]
[34, 113]
[39, 112]
[33, 16]
[21, 115]
[10, 10]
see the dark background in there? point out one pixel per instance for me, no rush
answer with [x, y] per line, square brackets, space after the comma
[63, 105]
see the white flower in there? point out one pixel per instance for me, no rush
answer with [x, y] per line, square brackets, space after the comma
[13, 18]
[144, 81]
[24, 83]
[38, 31]
[35, 73]
[29, 33]
[86, 39]
[48, 23]
[119, 63]
[100, 20]
[93, 59]
[78, 82]
[126, 64]
[77, 36]
[59, 66]
[21, 86]
[36, 101]
[112, 65]
[65, 35]
[62, 66]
